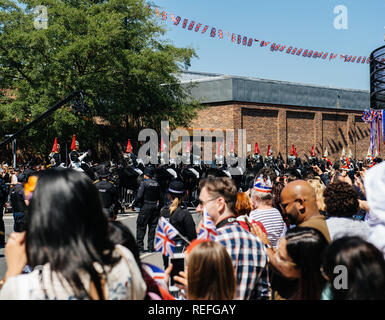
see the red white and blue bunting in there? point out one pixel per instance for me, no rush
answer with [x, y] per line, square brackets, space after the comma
[248, 41]
[373, 117]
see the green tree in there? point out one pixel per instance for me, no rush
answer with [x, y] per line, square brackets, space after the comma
[109, 49]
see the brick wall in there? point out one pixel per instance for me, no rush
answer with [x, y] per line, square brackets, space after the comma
[281, 126]
[300, 132]
[261, 126]
[214, 117]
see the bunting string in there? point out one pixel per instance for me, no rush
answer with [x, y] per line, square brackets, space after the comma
[249, 41]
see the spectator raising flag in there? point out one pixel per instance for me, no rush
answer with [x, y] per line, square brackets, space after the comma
[163, 238]
[207, 230]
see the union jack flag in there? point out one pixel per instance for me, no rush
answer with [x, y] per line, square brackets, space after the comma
[156, 273]
[165, 232]
[207, 230]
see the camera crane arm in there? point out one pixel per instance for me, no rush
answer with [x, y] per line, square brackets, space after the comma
[42, 116]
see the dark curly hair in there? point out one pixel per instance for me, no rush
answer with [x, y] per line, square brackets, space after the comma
[341, 199]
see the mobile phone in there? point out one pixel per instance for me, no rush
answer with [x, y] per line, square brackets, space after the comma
[178, 264]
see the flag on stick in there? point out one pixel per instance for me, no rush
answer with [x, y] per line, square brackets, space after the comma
[165, 232]
[207, 230]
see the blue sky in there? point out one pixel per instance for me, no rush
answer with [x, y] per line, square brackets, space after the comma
[299, 23]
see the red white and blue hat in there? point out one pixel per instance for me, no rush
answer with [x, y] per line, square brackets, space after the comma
[260, 185]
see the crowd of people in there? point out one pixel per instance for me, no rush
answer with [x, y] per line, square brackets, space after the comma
[319, 236]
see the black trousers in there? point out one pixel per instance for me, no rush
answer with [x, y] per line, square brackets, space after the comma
[2, 226]
[148, 217]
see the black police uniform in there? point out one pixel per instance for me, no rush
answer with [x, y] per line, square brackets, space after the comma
[182, 220]
[108, 194]
[19, 207]
[148, 193]
[4, 190]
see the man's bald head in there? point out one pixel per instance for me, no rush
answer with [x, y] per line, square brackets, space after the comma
[300, 188]
[298, 199]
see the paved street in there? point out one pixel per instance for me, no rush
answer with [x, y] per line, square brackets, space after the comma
[129, 219]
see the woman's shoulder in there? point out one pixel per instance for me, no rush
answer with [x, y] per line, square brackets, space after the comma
[123, 252]
[125, 272]
[21, 287]
[182, 210]
[127, 259]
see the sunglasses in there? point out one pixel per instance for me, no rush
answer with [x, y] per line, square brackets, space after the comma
[202, 203]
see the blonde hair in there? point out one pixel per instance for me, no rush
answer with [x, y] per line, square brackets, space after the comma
[319, 188]
[174, 205]
[210, 272]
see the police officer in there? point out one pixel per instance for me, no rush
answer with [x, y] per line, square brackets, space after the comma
[108, 193]
[149, 194]
[179, 216]
[19, 203]
[4, 190]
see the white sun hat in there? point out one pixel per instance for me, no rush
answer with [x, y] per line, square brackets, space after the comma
[375, 190]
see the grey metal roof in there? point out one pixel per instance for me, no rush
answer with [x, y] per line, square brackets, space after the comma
[214, 88]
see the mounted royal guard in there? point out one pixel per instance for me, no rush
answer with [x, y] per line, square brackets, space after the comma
[75, 158]
[54, 156]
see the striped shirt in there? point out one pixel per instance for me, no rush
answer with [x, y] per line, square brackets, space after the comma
[249, 260]
[272, 221]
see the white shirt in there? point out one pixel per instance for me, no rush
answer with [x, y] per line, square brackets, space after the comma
[374, 183]
[124, 282]
[14, 179]
[344, 227]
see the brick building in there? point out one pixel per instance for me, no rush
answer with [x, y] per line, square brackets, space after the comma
[283, 113]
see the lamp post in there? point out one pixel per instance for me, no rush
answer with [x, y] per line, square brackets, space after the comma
[14, 149]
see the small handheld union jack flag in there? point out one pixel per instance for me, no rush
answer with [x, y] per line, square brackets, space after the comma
[207, 230]
[156, 273]
[165, 232]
